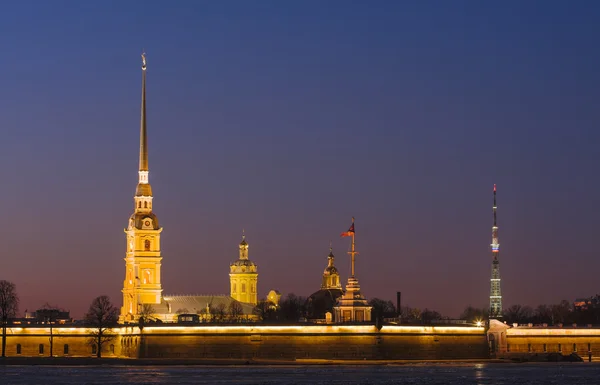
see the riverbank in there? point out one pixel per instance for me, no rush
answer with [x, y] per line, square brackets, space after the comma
[109, 361]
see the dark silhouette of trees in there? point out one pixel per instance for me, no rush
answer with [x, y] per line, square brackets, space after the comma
[472, 314]
[9, 305]
[292, 308]
[235, 310]
[266, 311]
[101, 317]
[146, 314]
[428, 316]
[381, 309]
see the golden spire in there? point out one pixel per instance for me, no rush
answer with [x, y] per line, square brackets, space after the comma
[143, 137]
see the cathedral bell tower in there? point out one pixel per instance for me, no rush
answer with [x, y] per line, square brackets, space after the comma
[331, 277]
[142, 259]
[243, 277]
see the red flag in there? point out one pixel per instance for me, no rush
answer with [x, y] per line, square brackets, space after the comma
[350, 231]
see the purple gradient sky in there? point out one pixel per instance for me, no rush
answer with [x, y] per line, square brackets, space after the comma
[288, 119]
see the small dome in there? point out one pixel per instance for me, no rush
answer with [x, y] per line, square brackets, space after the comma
[243, 262]
[330, 270]
[143, 190]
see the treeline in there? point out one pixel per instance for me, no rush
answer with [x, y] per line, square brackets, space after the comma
[561, 313]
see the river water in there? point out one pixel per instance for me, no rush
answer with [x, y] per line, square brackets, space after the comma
[421, 374]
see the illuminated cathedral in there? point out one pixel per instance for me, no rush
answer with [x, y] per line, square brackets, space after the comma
[142, 288]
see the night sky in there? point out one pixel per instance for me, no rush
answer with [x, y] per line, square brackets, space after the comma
[288, 118]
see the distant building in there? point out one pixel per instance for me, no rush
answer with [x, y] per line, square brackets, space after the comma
[46, 316]
[322, 301]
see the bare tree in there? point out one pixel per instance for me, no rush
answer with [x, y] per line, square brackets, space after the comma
[9, 304]
[235, 310]
[266, 311]
[218, 312]
[101, 316]
[146, 313]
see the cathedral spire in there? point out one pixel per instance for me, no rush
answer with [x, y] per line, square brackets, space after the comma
[495, 292]
[143, 188]
[143, 135]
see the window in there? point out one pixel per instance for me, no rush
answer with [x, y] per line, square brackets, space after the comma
[66, 349]
[94, 350]
[145, 205]
[112, 349]
[243, 287]
[254, 288]
[139, 205]
[147, 245]
[41, 348]
[18, 348]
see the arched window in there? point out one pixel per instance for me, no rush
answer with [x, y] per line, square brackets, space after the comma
[18, 348]
[140, 205]
[243, 287]
[66, 349]
[145, 205]
[147, 245]
[41, 348]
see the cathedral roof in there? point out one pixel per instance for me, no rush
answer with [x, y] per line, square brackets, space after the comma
[243, 262]
[322, 301]
[138, 220]
[172, 304]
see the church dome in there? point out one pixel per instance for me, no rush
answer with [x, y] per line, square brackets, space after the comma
[330, 270]
[243, 262]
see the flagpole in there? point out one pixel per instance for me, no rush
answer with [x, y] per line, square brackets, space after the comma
[352, 252]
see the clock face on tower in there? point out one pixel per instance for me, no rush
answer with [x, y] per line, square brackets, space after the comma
[147, 223]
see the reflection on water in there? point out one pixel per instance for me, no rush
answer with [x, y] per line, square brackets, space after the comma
[425, 374]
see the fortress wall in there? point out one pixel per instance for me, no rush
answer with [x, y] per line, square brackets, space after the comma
[77, 339]
[339, 342]
[314, 342]
[553, 340]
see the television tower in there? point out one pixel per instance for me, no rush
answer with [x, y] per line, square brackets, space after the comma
[495, 293]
